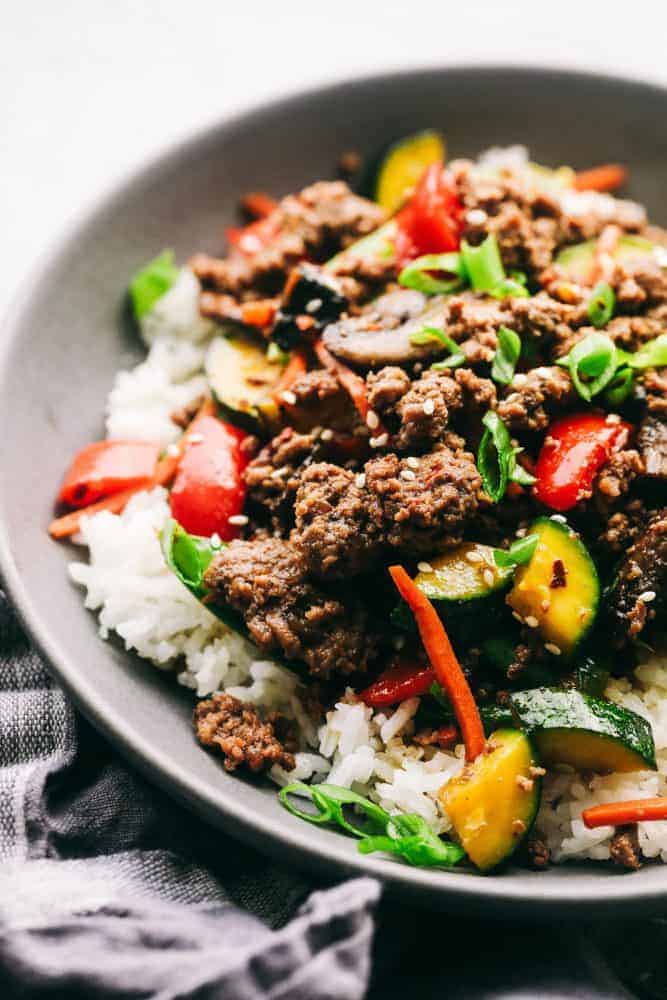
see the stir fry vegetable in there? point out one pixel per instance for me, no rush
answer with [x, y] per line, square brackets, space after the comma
[622, 813]
[399, 681]
[107, 467]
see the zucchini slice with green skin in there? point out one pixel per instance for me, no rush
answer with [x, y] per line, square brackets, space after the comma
[577, 261]
[569, 727]
[464, 585]
[378, 245]
[493, 803]
[404, 163]
[242, 379]
[558, 590]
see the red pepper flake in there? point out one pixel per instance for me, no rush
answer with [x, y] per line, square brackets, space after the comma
[559, 575]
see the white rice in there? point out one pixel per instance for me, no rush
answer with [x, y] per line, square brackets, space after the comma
[134, 594]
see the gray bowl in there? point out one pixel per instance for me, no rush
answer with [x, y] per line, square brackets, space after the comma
[68, 334]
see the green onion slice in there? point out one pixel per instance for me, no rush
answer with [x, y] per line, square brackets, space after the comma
[496, 459]
[651, 355]
[430, 333]
[416, 274]
[594, 358]
[601, 304]
[619, 388]
[408, 835]
[152, 282]
[483, 264]
[519, 552]
[506, 356]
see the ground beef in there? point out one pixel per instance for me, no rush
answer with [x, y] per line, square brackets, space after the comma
[235, 729]
[266, 581]
[315, 223]
[339, 527]
[423, 412]
[215, 305]
[535, 397]
[616, 476]
[320, 400]
[478, 394]
[652, 444]
[624, 848]
[273, 477]
[623, 527]
[537, 853]
[543, 320]
[654, 387]
[426, 502]
[472, 321]
[385, 388]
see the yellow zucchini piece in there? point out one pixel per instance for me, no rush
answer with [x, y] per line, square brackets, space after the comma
[492, 804]
[242, 378]
[558, 591]
[403, 165]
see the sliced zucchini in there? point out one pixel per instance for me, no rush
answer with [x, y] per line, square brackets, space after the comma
[241, 378]
[464, 584]
[492, 804]
[404, 163]
[570, 727]
[558, 591]
[577, 261]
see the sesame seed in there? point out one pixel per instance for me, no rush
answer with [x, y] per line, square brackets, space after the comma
[429, 407]
[515, 614]
[279, 473]
[473, 557]
[289, 397]
[647, 596]
[239, 519]
[531, 621]
[545, 604]
[412, 462]
[408, 475]
[380, 441]
[519, 380]
[424, 567]
[518, 827]
[173, 450]
[552, 648]
[612, 418]
[195, 438]
[216, 540]
[559, 518]
[417, 368]
[524, 783]
[372, 420]
[360, 480]
[326, 434]
[488, 577]
[313, 305]
[537, 772]
[476, 217]
[521, 533]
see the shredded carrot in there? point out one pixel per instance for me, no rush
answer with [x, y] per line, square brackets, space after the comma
[444, 662]
[621, 813]
[165, 470]
[260, 313]
[603, 261]
[258, 204]
[353, 384]
[69, 524]
[606, 178]
[296, 366]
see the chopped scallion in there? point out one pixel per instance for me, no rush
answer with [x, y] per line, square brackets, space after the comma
[592, 364]
[152, 282]
[601, 304]
[506, 356]
[418, 274]
[430, 333]
[519, 552]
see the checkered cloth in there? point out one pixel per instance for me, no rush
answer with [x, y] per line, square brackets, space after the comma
[108, 889]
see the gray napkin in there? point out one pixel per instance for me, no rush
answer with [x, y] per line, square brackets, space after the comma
[108, 889]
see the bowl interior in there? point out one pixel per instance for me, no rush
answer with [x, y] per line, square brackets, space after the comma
[69, 333]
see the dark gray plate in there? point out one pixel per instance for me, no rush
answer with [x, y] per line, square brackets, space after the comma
[67, 335]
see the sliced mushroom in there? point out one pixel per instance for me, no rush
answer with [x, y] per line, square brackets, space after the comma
[375, 339]
[652, 442]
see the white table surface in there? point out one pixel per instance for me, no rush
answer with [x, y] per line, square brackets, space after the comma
[88, 88]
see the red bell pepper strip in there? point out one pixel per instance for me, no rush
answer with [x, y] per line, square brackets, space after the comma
[430, 222]
[399, 681]
[258, 204]
[107, 467]
[575, 449]
[209, 488]
[254, 237]
[443, 659]
[621, 813]
[164, 472]
[259, 313]
[606, 178]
